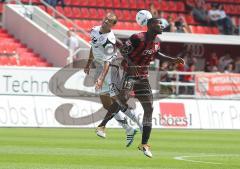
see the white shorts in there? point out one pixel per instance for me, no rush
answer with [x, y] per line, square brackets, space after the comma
[112, 80]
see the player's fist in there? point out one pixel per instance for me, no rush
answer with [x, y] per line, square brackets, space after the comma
[179, 60]
[98, 84]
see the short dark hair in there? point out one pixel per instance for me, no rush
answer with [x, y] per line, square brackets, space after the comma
[151, 20]
[113, 14]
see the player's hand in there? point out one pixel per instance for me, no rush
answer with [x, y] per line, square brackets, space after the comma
[98, 84]
[179, 60]
[87, 70]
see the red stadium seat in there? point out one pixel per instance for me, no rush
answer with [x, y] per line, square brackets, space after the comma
[85, 13]
[68, 12]
[101, 13]
[124, 4]
[4, 60]
[127, 15]
[81, 2]
[92, 3]
[108, 3]
[172, 6]
[13, 61]
[164, 6]
[100, 3]
[119, 14]
[132, 4]
[93, 13]
[76, 12]
[43, 7]
[180, 6]
[60, 10]
[116, 4]
[141, 5]
[215, 30]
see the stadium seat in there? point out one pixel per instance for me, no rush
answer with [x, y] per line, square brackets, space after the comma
[76, 12]
[164, 6]
[4, 60]
[81, 2]
[132, 4]
[60, 10]
[119, 14]
[85, 13]
[108, 3]
[100, 3]
[13, 61]
[68, 2]
[172, 6]
[92, 3]
[141, 5]
[1, 8]
[215, 30]
[68, 12]
[101, 13]
[116, 4]
[93, 13]
[127, 15]
[124, 4]
[180, 7]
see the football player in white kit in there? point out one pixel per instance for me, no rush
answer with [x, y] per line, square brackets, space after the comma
[104, 53]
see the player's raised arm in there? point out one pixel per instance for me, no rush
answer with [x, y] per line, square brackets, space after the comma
[90, 60]
[170, 59]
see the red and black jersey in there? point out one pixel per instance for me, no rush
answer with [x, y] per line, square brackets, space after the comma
[140, 52]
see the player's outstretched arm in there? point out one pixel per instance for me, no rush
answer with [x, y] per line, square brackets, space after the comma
[170, 59]
[90, 60]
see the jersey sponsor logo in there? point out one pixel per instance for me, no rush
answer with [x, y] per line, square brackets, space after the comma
[148, 52]
[174, 115]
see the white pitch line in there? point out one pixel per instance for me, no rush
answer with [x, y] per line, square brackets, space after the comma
[183, 158]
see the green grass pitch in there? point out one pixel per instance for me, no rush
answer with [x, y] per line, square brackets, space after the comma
[43, 148]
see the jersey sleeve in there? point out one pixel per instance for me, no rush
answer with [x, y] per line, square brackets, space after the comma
[130, 45]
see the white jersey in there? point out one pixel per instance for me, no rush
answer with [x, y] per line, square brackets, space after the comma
[104, 50]
[103, 45]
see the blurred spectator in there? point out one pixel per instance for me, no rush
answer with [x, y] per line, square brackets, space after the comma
[191, 68]
[224, 61]
[229, 68]
[165, 78]
[190, 78]
[181, 26]
[153, 10]
[163, 69]
[212, 63]
[237, 65]
[219, 17]
[54, 3]
[170, 26]
[71, 41]
[200, 13]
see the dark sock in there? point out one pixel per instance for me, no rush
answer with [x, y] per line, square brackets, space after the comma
[146, 134]
[113, 109]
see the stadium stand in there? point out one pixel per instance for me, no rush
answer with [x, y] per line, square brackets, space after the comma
[15, 53]
[91, 11]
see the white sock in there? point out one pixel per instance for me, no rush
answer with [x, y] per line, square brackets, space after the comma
[134, 118]
[121, 118]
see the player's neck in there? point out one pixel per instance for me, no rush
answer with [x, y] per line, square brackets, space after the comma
[151, 36]
[104, 30]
